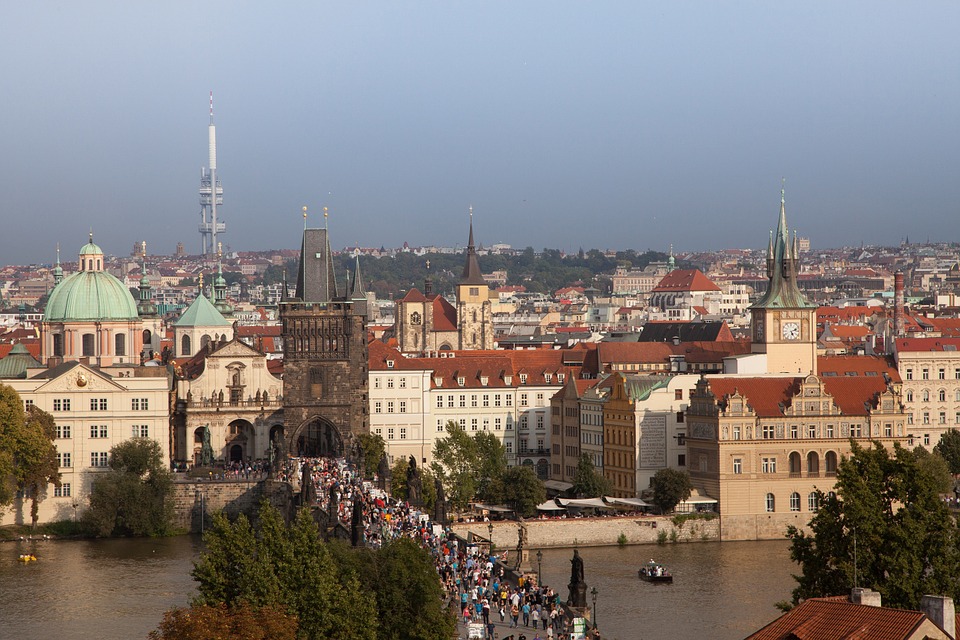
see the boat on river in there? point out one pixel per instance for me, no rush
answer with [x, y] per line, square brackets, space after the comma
[655, 572]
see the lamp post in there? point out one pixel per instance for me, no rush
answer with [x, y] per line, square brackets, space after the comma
[593, 594]
[490, 536]
[540, 567]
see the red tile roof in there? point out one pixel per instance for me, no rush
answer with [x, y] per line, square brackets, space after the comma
[685, 280]
[830, 619]
[444, 315]
[928, 344]
[32, 347]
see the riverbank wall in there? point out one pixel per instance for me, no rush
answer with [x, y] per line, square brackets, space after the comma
[195, 503]
[594, 532]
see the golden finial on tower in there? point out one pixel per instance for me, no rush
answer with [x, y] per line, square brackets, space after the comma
[219, 250]
[326, 214]
[201, 284]
[304, 217]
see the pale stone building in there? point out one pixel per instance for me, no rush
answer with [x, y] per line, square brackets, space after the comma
[930, 370]
[94, 409]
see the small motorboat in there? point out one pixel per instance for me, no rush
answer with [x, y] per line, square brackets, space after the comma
[27, 557]
[655, 572]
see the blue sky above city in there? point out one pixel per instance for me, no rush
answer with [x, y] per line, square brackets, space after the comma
[565, 124]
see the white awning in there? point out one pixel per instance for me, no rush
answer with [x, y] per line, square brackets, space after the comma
[633, 502]
[492, 507]
[596, 503]
[549, 505]
[557, 485]
[699, 500]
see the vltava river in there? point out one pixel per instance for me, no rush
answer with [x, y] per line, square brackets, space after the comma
[119, 589]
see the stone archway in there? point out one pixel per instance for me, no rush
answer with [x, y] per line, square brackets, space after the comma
[316, 438]
[240, 433]
[236, 453]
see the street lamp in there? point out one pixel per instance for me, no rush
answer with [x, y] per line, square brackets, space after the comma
[540, 566]
[593, 594]
[490, 536]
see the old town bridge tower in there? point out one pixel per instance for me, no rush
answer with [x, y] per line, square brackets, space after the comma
[325, 356]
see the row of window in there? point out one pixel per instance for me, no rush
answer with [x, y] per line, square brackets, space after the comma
[942, 418]
[96, 404]
[941, 395]
[768, 464]
[507, 400]
[779, 431]
[941, 373]
[401, 383]
[65, 431]
[402, 405]
[813, 502]
[475, 425]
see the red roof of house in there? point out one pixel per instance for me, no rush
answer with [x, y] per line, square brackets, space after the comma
[444, 315]
[928, 344]
[685, 280]
[32, 347]
[831, 618]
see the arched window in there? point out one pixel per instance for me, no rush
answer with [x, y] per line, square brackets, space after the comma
[830, 462]
[794, 462]
[943, 395]
[926, 396]
[89, 341]
[771, 503]
[794, 501]
[910, 395]
[147, 337]
[813, 502]
[121, 344]
[813, 462]
[58, 344]
[204, 341]
[956, 396]
[185, 346]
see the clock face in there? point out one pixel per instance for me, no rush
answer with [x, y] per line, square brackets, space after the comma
[791, 331]
[415, 318]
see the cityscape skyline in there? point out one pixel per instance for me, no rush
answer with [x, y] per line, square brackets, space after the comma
[545, 118]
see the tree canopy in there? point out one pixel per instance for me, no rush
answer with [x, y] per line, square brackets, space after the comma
[470, 468]
[588, 482]
[885, 528]
[373, 447]
[28, 457]
[522, 490]
[133, 497]
[334, 591]
[239, 622]
[670, 488]
[949, 449]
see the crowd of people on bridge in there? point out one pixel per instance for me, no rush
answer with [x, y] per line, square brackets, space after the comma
[474, 583]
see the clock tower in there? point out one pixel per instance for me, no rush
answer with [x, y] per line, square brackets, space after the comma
[784, 322]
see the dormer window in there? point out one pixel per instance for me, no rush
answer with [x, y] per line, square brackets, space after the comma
[508, 380]
[460, 380]
[523, 378]
[548, 377]
[389, 364]
[438, 380]
[483, 380]
[560, 377]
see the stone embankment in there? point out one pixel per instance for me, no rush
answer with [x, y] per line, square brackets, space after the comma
[196, 502]
[595, 532]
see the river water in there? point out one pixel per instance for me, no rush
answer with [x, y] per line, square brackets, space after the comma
[119, 589]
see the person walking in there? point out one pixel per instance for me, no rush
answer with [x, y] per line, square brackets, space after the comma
[514, 616]
[535, 616]
[526, 614]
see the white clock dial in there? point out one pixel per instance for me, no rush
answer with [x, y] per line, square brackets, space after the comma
[791, 331]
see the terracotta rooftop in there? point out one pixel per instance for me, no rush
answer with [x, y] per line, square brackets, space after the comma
[833, 619]
[685, 280]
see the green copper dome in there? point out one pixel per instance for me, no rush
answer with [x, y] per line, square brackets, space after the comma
[90, 295]
[90, 249]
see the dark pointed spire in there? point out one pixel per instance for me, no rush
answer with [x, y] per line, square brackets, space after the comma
[357, 292]
[316, 281]
[471, 270]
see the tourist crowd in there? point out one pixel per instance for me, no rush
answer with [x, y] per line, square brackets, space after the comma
[473, 581]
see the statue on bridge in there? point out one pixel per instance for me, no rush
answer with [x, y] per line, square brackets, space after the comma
[383, 474]
[414, 485]
[578, 587]
[440, 506]
[206, 449]
[308, 490]
[356, 526]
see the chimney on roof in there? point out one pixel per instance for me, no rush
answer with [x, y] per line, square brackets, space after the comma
[864, 596]
[941, 611]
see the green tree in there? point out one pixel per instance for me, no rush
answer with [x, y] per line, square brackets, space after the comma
[133, 497]
[936, 467]
[949, 450]
[523, 490]
[455, 463]
[289, 567]
[670, 488]
[373, 448]
[588, 482]
[491, 458]
[28, 457]
[885, 528]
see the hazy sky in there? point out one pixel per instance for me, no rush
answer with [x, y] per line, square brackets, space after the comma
[603, 124]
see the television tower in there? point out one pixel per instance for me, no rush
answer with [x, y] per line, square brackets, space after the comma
[211, 195]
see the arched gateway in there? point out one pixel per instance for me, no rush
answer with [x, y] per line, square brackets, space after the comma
[317, 438]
